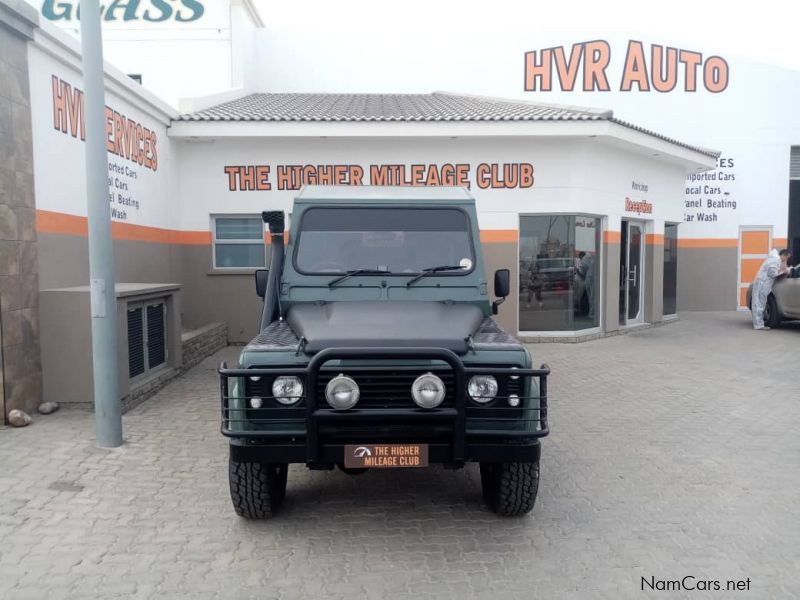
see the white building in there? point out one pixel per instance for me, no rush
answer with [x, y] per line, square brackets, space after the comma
[664, 223]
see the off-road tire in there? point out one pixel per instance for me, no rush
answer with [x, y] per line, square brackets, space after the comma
[772, 317]
[510, 488]
[257, 490]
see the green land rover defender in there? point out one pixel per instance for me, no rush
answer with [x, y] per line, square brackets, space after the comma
[377, 349]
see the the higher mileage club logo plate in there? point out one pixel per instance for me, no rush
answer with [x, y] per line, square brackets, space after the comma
[385, 456]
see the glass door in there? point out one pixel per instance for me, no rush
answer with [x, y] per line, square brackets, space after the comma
[631, 273]
[634, 278]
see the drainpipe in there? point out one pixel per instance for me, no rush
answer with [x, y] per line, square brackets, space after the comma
[107, 409]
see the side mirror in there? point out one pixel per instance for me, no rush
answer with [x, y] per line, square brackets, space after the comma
[502, 287]
[262, 275]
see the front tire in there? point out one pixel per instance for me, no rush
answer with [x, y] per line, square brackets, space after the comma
[257, 489]
[772, 317]
[510, 488]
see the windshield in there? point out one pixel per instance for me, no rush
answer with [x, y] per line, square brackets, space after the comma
[397, 240]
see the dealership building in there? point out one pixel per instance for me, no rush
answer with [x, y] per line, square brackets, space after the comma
[586, 209]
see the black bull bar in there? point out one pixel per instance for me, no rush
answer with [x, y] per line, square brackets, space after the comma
[242, 421]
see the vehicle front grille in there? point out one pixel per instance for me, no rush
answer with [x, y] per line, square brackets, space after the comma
[383, 388]
[386, 388]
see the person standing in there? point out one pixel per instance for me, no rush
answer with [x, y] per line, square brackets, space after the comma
[586, 272]
[774, 266]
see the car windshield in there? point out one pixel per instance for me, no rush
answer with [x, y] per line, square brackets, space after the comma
[395, 240]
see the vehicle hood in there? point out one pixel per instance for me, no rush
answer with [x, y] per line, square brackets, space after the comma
[384, 323]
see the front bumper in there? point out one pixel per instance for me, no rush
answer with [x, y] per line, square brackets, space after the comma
[455, 434]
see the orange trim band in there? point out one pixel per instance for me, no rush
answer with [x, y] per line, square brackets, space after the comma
[654, 239]
[499, 236]
[612, 237]
[54, 222]
[64, 224]
[708, 243]
[780, 242]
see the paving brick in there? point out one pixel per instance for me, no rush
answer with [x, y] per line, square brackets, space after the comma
[673, 452]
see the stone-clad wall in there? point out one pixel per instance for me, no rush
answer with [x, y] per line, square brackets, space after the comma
[19, 299]
[202, 343]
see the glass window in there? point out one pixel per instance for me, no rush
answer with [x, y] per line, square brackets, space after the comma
[670, 268]
[397, 240]
[558, 269]
[239, 242]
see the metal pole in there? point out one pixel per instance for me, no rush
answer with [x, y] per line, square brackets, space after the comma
[107, 410]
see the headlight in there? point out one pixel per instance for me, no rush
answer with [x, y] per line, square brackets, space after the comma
[287, 389]
[427, 391]
[342, 392]
[482, 388]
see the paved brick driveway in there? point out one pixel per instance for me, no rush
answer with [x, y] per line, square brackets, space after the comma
[675, 451]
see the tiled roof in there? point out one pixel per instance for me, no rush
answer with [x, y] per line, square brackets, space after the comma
[435, 107]
[388, 107]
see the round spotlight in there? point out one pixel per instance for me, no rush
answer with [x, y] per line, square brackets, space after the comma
[287, 389]
[513, 400]
[342, 392]
[427, 391]
[256, 402]
[482, 388]
[255, 378]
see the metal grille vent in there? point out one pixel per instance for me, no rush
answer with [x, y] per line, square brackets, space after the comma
[135, 342]
[156, 339]
[794, 163]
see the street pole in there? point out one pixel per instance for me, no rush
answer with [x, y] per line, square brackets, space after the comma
[107, 410]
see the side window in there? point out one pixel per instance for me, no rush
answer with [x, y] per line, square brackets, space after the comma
[238, 242]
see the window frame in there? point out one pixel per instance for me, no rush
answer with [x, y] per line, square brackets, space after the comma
[599, 261]
[671, 315]
[469, 232]
[236, 242]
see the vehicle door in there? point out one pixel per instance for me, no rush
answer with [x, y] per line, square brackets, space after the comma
[787, 293]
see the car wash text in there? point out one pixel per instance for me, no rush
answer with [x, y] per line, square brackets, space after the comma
[659, 69]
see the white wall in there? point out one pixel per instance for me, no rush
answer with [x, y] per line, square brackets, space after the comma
[59, 157]
[754, 121]
[177, 59]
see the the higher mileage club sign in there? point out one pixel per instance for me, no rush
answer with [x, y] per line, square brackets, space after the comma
[252, 178]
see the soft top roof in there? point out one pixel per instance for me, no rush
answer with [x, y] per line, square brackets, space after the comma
[384, 193]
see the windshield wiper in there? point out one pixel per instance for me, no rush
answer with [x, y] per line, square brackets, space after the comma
[352, 272]
[431, 270]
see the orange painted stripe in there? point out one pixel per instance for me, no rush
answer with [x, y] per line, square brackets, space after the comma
[54, 222]
[612, 237]
[708, 243]
[654, 239]
[64, 224]
[780, 242]
[499, 236]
